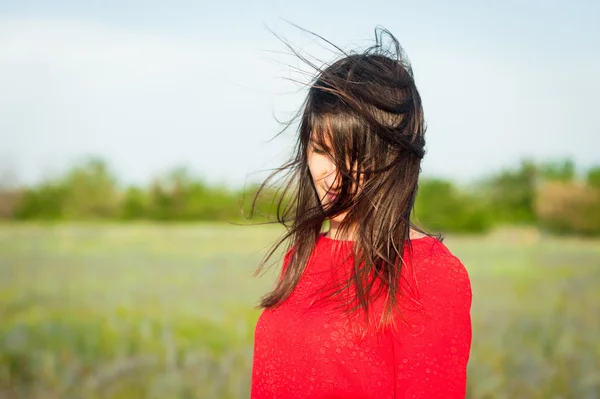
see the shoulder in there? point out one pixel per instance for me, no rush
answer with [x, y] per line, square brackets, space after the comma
[432, 255]
[437, 269]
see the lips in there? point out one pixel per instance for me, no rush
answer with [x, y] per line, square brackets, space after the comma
[331, 195]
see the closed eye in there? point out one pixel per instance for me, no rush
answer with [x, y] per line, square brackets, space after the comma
[318, 149]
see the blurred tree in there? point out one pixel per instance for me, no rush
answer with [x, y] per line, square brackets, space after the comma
[518, 195]
[46, 201]
[442, 207]
[264, 206]
[563, 170]
[91, 191]
[134, 204]
[512, 194]
[180, 196]
[593, 177]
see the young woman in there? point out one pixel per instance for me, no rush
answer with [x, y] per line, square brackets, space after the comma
[373, 307]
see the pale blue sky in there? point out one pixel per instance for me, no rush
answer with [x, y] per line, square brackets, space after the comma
[152, 85]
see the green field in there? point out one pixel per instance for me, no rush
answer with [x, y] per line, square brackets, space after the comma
[166, 311]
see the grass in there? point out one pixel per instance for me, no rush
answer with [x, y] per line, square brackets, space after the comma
[166, 311]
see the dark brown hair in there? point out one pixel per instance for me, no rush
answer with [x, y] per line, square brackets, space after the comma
[366, 106]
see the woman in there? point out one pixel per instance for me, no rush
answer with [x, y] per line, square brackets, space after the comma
[373, 307]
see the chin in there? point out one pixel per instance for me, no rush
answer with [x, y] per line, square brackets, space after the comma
[337, 218]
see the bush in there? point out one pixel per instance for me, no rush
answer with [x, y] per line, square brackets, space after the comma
[569, 207]
[43, 202]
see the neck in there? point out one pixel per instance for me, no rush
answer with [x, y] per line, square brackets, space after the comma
[336, 234]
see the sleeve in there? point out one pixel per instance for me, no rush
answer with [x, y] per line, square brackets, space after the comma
[431, 342]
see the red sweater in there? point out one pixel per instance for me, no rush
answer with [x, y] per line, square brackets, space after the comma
[304, 349]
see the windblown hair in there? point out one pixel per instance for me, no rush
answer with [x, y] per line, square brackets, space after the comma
[365, 111]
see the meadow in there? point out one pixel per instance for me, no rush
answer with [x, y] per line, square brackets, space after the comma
[167, 311]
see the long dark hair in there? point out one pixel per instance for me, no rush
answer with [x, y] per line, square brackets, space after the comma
[366, 106]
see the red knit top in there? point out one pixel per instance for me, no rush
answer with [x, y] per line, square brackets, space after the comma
[307, 349]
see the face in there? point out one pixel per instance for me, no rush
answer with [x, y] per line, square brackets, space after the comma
[325, 177]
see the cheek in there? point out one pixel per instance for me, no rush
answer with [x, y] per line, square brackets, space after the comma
[312, 168]
[317, 165]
